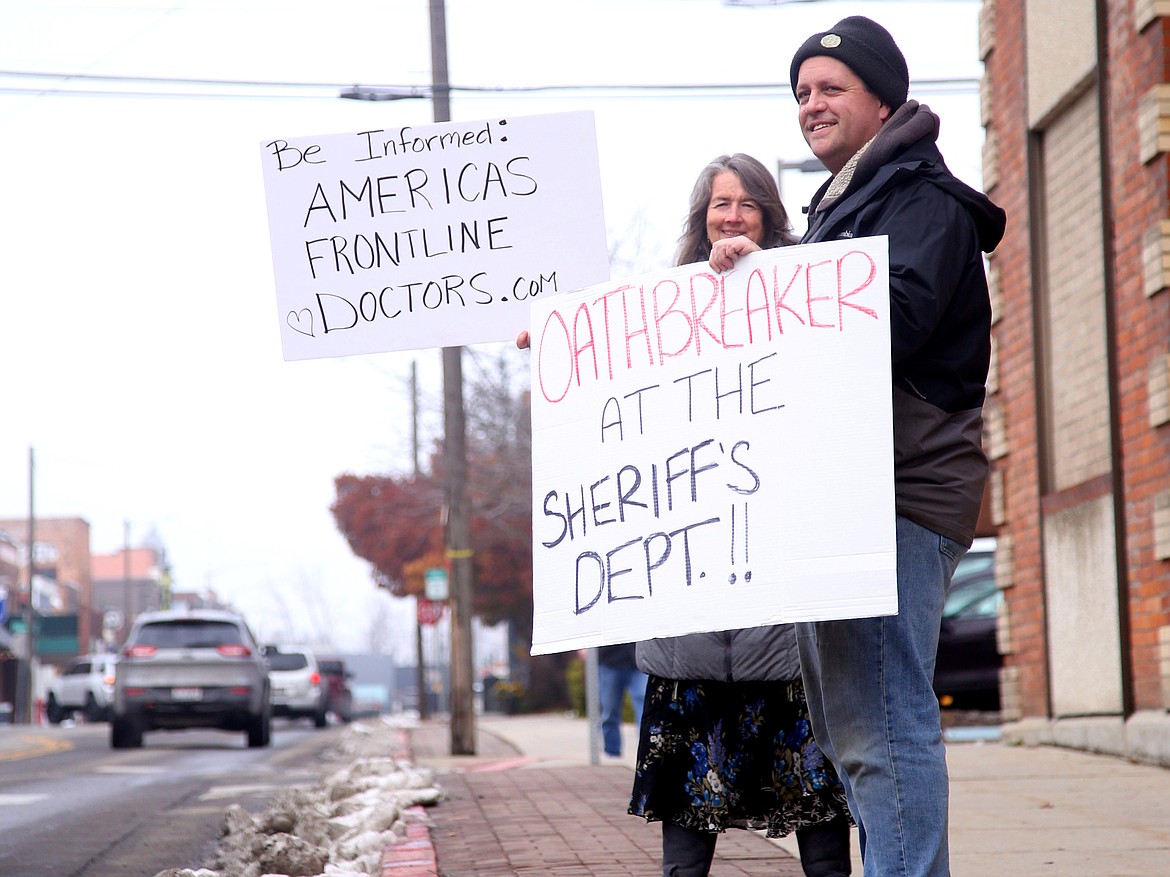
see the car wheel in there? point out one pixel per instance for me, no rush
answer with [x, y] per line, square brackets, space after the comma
[259, 731]
[53, 711]
[321, 719]
[125, 733]
[92, 712]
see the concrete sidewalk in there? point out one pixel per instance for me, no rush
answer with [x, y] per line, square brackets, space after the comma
[529, 802]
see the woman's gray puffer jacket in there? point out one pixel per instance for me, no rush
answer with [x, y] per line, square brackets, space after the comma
[752, 654]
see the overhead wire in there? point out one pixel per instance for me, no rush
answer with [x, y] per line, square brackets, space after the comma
[173, 87]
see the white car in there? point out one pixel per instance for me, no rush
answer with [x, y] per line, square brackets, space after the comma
[298, 691]
[85, 686]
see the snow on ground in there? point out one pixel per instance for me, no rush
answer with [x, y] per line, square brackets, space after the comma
[338, 827]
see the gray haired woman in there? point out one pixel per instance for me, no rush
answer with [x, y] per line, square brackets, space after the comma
[725, 740]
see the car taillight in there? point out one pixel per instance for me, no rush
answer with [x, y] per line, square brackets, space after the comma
[234, 651]
[315, 679]
[108, 680]
[139, 651]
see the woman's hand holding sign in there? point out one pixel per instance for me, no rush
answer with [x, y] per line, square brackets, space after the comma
[726, 251]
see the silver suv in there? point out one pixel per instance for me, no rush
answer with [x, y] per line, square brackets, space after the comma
[86, 685]
[197, 669]
[298, 691]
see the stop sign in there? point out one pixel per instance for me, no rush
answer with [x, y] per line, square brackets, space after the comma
[430, 611]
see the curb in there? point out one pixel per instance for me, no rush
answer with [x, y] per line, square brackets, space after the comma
[415, 855]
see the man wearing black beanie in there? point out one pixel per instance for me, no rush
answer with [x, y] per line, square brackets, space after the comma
[866, 48]
[869, 681]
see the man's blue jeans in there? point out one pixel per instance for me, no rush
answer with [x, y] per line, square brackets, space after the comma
[869, 685]
[612, 683]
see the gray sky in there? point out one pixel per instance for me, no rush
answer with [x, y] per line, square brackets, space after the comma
[139, 338]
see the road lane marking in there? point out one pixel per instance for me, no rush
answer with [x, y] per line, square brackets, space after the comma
[31, 746]
[20, 800]
[138, 769]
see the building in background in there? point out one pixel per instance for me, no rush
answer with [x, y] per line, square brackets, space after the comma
[64, 623]
[10, 586]
[82, 602]
[127, 583]
[62, 585]
[190, 600]
[1076, 105]
[9, 567]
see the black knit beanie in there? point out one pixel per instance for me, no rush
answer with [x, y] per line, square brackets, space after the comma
[868, 50]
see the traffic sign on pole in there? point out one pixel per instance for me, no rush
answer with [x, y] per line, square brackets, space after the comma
[430, 611]
[435, 584]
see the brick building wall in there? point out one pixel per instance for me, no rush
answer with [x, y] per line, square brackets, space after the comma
[1015, 464]
[1138, 37]
[1079, 420]
[69, 541]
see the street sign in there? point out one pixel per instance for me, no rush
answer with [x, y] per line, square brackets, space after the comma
[435, 584]
[430, 611]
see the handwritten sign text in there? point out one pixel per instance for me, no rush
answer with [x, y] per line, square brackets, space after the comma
[713, 451]
[433, 236]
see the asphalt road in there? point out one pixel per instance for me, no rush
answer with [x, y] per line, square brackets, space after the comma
[70, 806]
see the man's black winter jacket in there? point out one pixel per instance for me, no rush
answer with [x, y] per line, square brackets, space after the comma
[940, 313]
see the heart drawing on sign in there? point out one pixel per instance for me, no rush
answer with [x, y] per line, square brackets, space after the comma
[294, 321]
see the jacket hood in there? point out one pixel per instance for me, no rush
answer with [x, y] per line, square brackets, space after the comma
[990, 219]
[907, 143]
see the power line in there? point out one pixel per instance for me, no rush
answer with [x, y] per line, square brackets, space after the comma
[165, 80]
[170, 87]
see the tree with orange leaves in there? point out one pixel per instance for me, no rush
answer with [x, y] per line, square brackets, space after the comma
[396, 523]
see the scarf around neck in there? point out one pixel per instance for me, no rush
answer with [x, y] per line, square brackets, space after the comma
[909, 124]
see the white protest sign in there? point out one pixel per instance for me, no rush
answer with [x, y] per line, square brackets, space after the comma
[714, 451]
[430, 236]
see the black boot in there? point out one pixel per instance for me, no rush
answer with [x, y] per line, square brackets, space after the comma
[685, 852]
[824, 848]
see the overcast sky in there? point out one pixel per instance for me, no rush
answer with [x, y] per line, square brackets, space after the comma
[139, 337]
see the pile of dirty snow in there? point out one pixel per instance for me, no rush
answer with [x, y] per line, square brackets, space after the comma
[338, 827]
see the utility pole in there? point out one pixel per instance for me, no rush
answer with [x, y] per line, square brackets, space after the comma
[420, 679]
[455, 464]
[24, 680]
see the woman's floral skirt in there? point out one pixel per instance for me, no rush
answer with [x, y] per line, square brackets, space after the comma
[718, 755]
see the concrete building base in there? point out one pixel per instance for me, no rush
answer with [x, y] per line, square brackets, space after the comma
[1144, 737]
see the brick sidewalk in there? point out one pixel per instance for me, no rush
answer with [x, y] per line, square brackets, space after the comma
[508, 815]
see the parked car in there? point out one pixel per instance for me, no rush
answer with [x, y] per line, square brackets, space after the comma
[967, 671]
[190, 669]
[297, 687]
[85, 686]
[338, 694]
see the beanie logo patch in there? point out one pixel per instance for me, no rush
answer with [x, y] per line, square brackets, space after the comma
[830, 41]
